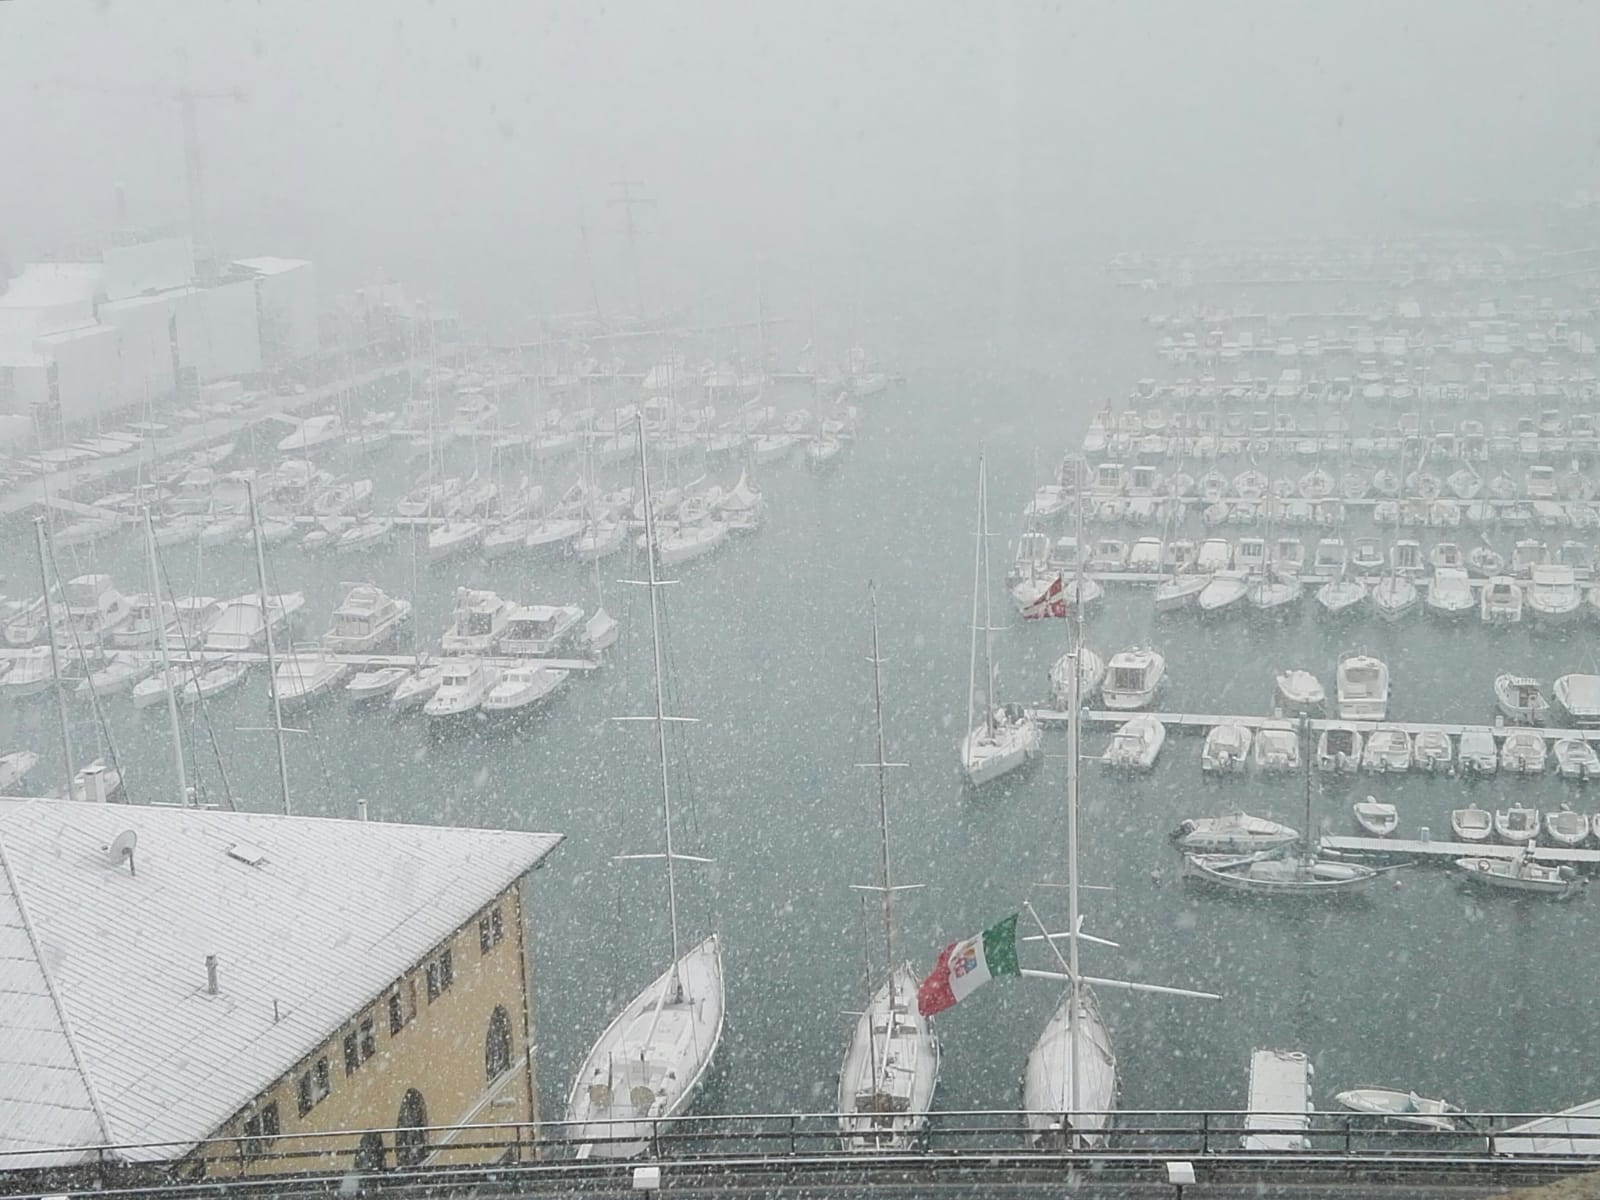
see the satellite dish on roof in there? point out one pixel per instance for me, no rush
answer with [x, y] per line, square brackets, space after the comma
[121, 849]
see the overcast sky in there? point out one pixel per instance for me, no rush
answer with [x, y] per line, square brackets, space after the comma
[854, 146]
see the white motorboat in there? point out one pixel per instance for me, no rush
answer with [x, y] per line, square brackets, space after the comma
[1477, 753]
[1262, 875]
[1394, 597]
[417, 688]
[1226, 750]
[1388, 750]
[1450, 593]
[120, 673]
[1133, 679]
[1339, 749]
[1577, 698]
[1431, 751]
[146, 619]
[214, 681]
[1520, 699]
[378, 683]
[1135, 744]
[14, 768]
[1521, 873]
[95, 611]
[1361, 688]
[477, 622]
[1518, 824]
[1552, 596]
[521, 689]
[239, 626]
[1523, 753]
[1500, 602]
[462, 686]
[540, 630]
[367, 619]
[1472, 824]
[1576, 759]
[195, 616]
[1299, 692]
[1406, 1108]
[1376, 817]
[1276, 748]
[302, 677]
[1091, 670]
[96, 782]
[1342, 595]
[1232, 833]
[1565, 827]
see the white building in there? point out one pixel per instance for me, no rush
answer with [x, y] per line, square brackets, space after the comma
[286, 307]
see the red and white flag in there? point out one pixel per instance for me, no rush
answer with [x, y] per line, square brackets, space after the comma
[1052, 602]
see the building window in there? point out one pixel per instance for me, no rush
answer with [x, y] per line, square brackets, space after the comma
[433, 982]
[369, 1039]
[491, 929]
[497, 1045]
[441, 974]
[314, 1086]
[402, 1006]
[411, 1130]
[260, 1128]
[352, 1053]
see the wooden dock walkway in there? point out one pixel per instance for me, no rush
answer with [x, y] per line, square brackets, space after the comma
[1444, 853]
[363, 662]
[1200, 723]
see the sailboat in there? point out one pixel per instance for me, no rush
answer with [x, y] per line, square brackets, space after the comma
[1004, 737]
[891, 1064]
[651, 1059]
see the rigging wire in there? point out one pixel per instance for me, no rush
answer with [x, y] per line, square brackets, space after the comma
[106, 740]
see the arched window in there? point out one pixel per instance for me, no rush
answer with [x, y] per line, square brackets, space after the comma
[370, 1153]
[497, 1045]
[411, 1130]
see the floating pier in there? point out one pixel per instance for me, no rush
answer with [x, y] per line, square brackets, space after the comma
[359, 661]
[1443, 853]
[1203, 722]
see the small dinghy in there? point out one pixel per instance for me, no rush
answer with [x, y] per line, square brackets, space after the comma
[1576, 759]
[1376, 817]
[1406, 1107]
[1518, 824]
[1299, 691]
[1135, 745]
[1234, 833]
[1500, 603]
[1478, 754]
[1226, 750]
[1566, 828]
[1472, 824]
[1431, 751]
[1388, 750]
[1520, 699]
[1523, 753]
[1520, 873]
[1277, 747]
[1339, 749]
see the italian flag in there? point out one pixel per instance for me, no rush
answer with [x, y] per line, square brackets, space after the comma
[965, 966]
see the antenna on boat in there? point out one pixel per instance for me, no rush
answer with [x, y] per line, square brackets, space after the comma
[266, 625]
[55, 661]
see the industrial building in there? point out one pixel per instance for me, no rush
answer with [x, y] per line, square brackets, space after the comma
[82, 340]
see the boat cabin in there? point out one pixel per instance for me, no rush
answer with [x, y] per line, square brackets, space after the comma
[1110, 477]
[1142, 480]
[539, 630]
[1250, 555]
[1405, 557]
[1330, 556]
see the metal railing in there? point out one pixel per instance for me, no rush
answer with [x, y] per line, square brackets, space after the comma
[1137, 1146]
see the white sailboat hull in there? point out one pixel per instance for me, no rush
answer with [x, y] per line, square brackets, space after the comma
[650, 1061]
[890, 1110]
[987, 755]
[1047, 1091]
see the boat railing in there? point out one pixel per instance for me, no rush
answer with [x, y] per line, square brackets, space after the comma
[1136, 1146]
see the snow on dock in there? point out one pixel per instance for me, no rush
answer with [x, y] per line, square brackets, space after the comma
[1280, 1101]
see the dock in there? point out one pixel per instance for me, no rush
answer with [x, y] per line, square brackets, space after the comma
[1201, 723]
[361, 662]
[1280, 1106]
[1444, 853]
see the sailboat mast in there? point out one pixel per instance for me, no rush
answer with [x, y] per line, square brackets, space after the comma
[883, 800]
[977, 575]
[1074, 998]
[988, 609]
[661, 708]
[55, 654]
[272, 666]
[166, 660]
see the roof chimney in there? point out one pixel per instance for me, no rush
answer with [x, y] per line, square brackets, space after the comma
[361, 809]
[211, 974]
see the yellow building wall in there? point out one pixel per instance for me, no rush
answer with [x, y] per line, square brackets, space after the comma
[440, 1054]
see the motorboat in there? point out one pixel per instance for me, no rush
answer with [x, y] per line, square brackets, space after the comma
[1477, 753]
[1485, 562]
[1501, 601]
[1518, 824]
[367, 619]
[1299, 692]
[1527, 554]
[1472, 824]
[462, 687]
[1226, 750]
[1522, 873]
[1276, 747]
[1520, 699]
[1339, 749]
[1259, 874]
[417, 688]
[214, 681]
[1577, 697]
[1361, 688]
[146, 619]
[377, 683]
[239, 626]
[1393, 597]
[1552, 596]
[1523, 752]
[1135, 744]
[302, 677]
[1431, 751]
[1223, 591]
[477, 622]
[540, 630]
[1091, 671]
[1133, 679]
[1406, 1108]
[1576, 759]
[1376, 817]
[1450, 593]
[520, 689]
[195, 615]
[121, 672]
[1565, 827]
[1232, 833]
[1366, 557]
[1215, 555]
[95, 611]
[1005, 739]
[1388, 750]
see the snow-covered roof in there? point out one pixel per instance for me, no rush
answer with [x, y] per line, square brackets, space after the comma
[108, 1034]
[269, 265]
[48, 285]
